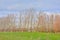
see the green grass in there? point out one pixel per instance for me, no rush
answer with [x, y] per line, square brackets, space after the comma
[29, 36]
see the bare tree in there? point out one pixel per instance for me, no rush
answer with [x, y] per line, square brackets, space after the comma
[41, 21]
[56, 25]
[10, 22]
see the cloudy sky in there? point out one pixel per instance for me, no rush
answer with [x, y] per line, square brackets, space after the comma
[17, 5]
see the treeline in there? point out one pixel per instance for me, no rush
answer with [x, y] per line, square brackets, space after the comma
[30, 21]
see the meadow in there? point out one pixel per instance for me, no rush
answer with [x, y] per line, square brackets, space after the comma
[29, 36]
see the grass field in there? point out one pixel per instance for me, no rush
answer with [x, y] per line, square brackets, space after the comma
[29, 36]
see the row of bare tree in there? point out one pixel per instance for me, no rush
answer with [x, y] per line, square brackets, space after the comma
[30, 21]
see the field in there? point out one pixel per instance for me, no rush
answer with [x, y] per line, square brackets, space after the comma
[29, 36]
